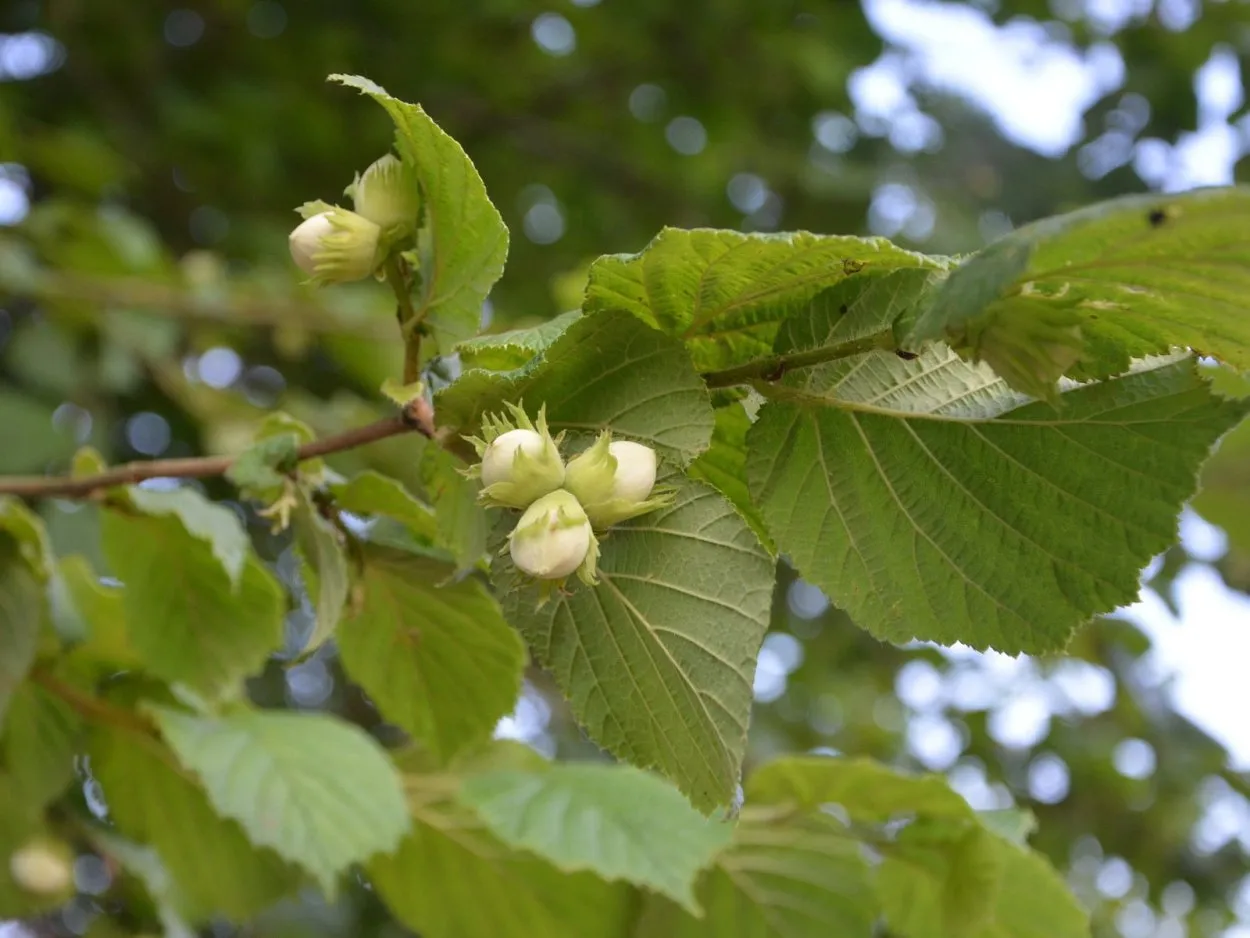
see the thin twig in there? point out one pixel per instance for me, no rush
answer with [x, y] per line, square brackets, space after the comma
[416, 417]
[772, 367]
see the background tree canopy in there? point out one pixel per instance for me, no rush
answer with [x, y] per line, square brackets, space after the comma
[150, 159]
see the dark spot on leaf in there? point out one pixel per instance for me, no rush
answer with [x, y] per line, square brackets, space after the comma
[851, 266]
[906, 356]
[1157, 217]
[842, 309]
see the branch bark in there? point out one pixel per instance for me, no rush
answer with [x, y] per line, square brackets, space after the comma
[773, 367]
[416, 417]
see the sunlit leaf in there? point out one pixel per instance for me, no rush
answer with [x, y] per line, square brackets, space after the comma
[614, 821]
[318, 791]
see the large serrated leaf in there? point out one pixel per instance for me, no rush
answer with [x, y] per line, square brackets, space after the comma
[608, 370]
[463, 243]
[214, 523]
[214, 869]
[451, 878]
[438, 660]
[317, 790]
[21, 614]
[1135, 276]
[658, 659]
[795, 877]
[614, 821]
[38, 740]
[183, 616]
[102, 609]
[930, 502]
[725, 292]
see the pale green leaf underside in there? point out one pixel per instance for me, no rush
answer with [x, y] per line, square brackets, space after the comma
[608, 370]
[723, 466]
[724, 292]
[798, 878]
[1003, 529]
[658, 660]
[153, 801]
[464, 242]
[614, 821]
[1142, 274]
[451, 878]
[438, 661]
[318, 791]
[184, 619]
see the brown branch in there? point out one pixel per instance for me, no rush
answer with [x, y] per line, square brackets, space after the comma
[416, 417]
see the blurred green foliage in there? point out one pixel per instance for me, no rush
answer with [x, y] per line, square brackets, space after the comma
[148, 307]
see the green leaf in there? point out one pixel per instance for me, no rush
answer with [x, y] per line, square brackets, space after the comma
[607, 370]
[325, 571]
[1032, 899]
[102, 609]
[401, 394]
[1134, 276]
[1013, 824]
[463, 242]
[151, 799]
[145, 864]
[658, 659]
[450, 878]
[724, 292]
[371, 493]
[723, 467]
[503, 351]
[19, 829]
[21, 614]
[462, 523]
[262, 465]
[869, 791]
[188, 623]
[40, 736]
[216, 524]
[28, 531]
[931, 502]
[439, 661]
[939, 881]
[612, 820]
[317, 790]
[1224, 496]
[799, 877]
